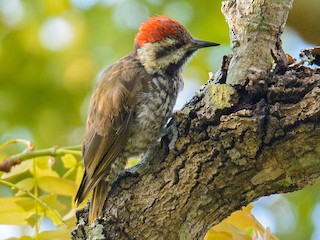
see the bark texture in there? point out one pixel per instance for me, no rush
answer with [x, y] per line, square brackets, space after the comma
[255, 30]
[259, 141]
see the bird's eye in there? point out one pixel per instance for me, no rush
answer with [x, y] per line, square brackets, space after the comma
[178, 45]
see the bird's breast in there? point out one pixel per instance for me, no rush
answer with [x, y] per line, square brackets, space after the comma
[154, 108]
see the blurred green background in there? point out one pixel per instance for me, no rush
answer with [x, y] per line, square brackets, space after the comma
[52, 51]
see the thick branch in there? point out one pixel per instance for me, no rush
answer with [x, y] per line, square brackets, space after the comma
[255, 30]
[265, 141]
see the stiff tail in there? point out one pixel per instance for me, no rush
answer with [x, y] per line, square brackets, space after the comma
[100, 193]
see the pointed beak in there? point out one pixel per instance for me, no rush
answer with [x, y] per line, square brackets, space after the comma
[197, 44]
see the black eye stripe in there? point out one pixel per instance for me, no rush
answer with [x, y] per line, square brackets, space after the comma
[165, 51]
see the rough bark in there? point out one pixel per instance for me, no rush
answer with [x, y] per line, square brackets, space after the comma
[266, 141]
[255, 30]
[235, 143]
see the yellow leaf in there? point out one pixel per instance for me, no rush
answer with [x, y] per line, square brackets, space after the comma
[26, 184]
[53, 202]
[43, 162]
[13, 203]
[58, 186]
[11, 212]
[241, 225]
[234, 227]
[79, 174]
[213, 235]
[13, 218]
[26, 203]
[40, 172]
[21, 238]
[229, 230]
[70, 218]
[55, 219]
[32, 218]
[57, 234]
[242, 219]
[68, 160]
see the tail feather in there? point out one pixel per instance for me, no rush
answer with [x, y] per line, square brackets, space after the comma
[100, 193]
[80, 193]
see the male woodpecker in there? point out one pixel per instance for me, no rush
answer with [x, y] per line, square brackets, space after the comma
[131, 104]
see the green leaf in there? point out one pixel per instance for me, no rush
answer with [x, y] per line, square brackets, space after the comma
[68, 160]
[58, 186]
[250, 232]
[132, 162]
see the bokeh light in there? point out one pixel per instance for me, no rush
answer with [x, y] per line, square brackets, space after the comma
[130, 14]
[12, 12]
[56, 34]
[185, 13]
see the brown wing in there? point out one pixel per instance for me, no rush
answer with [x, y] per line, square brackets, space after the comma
[111, 111]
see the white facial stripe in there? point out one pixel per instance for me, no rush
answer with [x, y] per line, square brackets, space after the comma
[147, 55]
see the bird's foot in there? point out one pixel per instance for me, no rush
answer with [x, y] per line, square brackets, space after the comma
[171, 133]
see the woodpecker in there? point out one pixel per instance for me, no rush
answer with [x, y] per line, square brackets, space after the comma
[132, 103]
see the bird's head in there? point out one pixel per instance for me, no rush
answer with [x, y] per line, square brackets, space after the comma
[163, 45]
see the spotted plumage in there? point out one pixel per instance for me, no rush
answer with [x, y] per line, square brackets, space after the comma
[132, 103]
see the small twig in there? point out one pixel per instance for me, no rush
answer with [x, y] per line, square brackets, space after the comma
[7, 164]
[40, 201]
[13, 141]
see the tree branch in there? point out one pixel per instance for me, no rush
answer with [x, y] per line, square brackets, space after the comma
[222, 160]
[236, 142]
[255, 30]
[7, 164]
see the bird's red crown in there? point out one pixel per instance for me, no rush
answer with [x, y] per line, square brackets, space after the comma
[156, 29]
